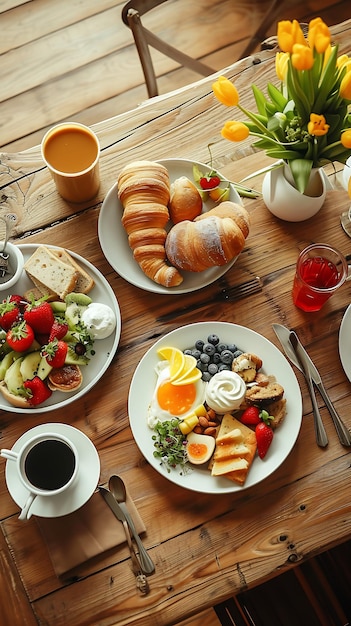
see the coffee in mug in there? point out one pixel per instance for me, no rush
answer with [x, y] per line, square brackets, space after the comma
[47, 465]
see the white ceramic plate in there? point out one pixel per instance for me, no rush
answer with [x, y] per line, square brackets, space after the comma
[104, 349]
[345, 342]
[114, 240]
[82, 488]
[274, 363]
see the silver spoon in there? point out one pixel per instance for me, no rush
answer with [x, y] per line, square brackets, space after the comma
[118, 489]
[141, 580]
[4, 256]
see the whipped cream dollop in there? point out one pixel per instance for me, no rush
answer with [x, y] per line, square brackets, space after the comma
[225, 391]
[99, 319]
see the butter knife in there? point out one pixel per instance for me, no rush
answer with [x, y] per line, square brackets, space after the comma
[321, 435]
[283, 335]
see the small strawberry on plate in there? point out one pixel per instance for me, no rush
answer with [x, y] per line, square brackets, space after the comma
[40, 316]
[20, 337]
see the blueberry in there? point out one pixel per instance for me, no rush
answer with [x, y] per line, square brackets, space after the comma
[223, 366]
[216, 357]
[232, 347]
[214, 339]
[196, 354]
[206, 377]
[209, 349]
[237, 353]
[188, 351]
[212, 369]
[226, 357]
[221, 346]
[199, 344]
[204, 358]
[200, 365]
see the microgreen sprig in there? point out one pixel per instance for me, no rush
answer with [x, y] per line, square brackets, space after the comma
[170, 444]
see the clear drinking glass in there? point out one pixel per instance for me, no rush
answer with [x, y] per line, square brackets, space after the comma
[345, 217]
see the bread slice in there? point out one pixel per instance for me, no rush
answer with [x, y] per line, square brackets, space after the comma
[235, 450]
[44, 268]
[85, 282]
[263, 396]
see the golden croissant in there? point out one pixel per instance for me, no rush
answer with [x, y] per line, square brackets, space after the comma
[212, 239]
[144, 191]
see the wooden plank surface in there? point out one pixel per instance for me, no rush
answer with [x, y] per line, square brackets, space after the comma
[205, 548]
[73, 60]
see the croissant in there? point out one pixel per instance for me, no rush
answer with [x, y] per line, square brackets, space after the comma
[212, 239]
[144, 191]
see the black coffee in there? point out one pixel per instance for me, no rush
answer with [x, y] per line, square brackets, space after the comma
[49, 464]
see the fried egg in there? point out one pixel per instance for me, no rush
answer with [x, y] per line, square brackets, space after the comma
[170, 400]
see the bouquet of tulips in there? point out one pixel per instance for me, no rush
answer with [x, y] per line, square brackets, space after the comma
[305, 121]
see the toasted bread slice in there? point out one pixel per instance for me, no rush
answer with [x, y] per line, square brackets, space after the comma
[44, 268]
[235, 450]
[85, 282]
[263, 396]
[278, 411]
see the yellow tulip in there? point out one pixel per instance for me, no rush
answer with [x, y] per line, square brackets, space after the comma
[302, 57]
[289, 33]
[225, 92]
[235, 131]
[346, 138]
[281, 64]
[342, 60]
[317, 125]
[345, 86]
[318, 35]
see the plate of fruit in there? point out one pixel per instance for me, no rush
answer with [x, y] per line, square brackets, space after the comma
[144, 254]
[215, 407]
[60, 326]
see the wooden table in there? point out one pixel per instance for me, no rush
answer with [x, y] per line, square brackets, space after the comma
[206, 548]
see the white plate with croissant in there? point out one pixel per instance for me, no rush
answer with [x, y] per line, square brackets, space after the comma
[134, 230]
[199, 477]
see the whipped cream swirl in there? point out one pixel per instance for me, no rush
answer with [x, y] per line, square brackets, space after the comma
[225, 391]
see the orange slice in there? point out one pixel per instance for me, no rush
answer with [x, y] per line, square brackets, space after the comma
[176, 360]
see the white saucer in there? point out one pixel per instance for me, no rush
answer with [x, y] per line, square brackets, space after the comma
[81, 490]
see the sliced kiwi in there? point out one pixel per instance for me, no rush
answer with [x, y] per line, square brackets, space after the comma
[58, 306]
[72, 358]
[78, 298]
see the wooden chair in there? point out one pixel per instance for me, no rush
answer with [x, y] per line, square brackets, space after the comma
[144, 38]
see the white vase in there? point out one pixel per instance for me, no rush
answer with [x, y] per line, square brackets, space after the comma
[283, 199]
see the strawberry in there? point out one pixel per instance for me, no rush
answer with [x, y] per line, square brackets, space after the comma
[20, 337]
[39, 391]
[40, 316]
[9, 313]
[251, 416]
[55, 353]
[264, 436]
[58, 330]
[209, 182]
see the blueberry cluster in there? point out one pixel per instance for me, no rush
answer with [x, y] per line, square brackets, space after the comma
[213, 356]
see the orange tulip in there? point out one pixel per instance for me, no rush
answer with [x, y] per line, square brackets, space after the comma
[317, 125]
[302, 57]
[225, 92]
[318, 35]
[346, 138]
[235, 131]
[289, 33]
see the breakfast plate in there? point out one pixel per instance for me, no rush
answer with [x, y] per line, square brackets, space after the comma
[114, 241]
[274, 363]
[82, 488]
[104, 348]
[345, 342]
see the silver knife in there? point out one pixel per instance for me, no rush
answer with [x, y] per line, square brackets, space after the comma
[146, 564]
[321, 435]
[283, 335]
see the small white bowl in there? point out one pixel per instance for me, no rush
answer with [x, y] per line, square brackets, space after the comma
[15, 266]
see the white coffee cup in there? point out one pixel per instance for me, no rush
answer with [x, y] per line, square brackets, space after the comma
[47, 465]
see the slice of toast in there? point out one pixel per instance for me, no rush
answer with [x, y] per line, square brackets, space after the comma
[45, 268]
[235, 450]
[85, 282]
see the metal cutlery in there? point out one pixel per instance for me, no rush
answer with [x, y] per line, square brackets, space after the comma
[283, 335]
[321, 435]
[141, 580]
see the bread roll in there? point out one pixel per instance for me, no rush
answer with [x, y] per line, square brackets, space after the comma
[185, 201]
[210, 240]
